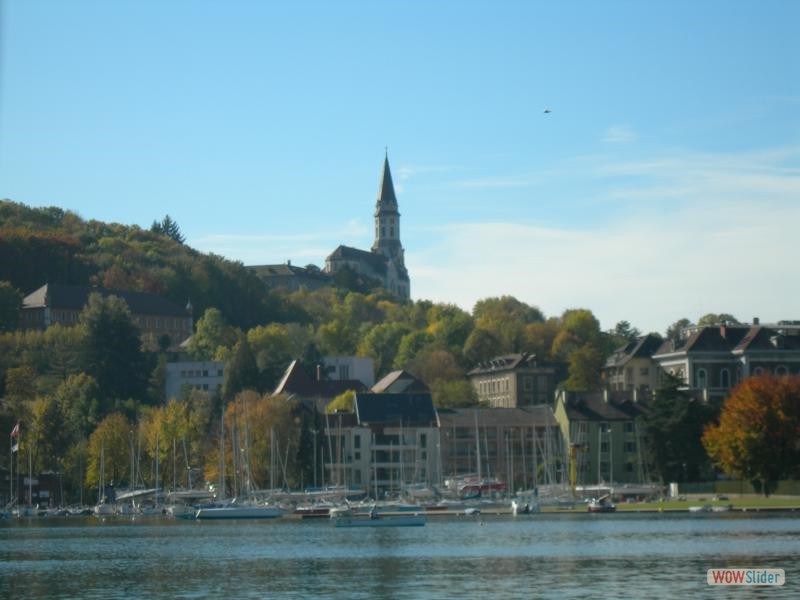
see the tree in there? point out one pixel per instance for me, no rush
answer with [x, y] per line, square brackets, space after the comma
[437, 364]
[623, 332]
[79, 396]
[169, 228]
[241, 371]
[481, 346]
[459, 393]
[10, 306]
[673, 429]
[381, 344]
[585, 366]
[756, 437]
[111, 443]
[272, 348]
[675, 330]
[112, 350]
[344, 402]
[717, 319]
[211, 334]
[505, 318]
[51, 438]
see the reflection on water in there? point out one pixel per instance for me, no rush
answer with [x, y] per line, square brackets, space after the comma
[540, 556]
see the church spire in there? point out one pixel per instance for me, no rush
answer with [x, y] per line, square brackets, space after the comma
[386, 188]
[387, 218]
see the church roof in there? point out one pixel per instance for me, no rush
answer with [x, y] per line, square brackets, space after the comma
[297, 381]
[375, 260]
[386, 197]
[75, 297]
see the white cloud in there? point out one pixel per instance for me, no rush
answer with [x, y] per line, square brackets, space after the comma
[699, 234]
[620, 134]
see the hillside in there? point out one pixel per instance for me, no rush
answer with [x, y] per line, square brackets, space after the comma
[51, 245]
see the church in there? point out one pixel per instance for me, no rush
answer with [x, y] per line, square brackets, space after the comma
[383, 262]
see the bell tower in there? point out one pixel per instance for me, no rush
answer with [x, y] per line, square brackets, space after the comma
[387, 217]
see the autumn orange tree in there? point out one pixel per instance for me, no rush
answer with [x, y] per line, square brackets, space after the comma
[758, 431]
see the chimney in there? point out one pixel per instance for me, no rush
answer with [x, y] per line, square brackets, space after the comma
[288, 263]
[723, 330]
[756, 321]
[605, 395]
[319, 372]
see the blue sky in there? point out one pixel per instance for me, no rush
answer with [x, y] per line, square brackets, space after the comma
[665, 183]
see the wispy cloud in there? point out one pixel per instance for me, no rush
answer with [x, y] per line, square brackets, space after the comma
[620, 134]
[720, 238]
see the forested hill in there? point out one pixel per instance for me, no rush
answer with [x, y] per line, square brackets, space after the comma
[52, 245]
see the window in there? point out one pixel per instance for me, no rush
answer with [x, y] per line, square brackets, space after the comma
[781, 370]
[219, 372]
[423, 439]
[357, 455]
[356, 441]
[344, 372]
[391, 231]
[629, 426]
[644, 371]
[527, 384]
[702, 378]
[758, 371]
[603, 446]
[630, 446]
[724, 378]
[205, 373]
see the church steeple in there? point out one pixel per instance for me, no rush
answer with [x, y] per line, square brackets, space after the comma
[387, 217]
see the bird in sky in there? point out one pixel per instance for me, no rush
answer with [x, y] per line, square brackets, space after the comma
[547, 110]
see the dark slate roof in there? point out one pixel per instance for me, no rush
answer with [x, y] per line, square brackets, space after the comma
[603, 406]
[61, 296]
[399, 382]
[529, 416]
[642, 347]
[414, 410]
[707, 339]
[375, 260]
[509, 362]
[764, 338]
[287, 270]
[297, 381]
[387, 201]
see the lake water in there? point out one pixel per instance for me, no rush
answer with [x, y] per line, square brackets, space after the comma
[547, 555]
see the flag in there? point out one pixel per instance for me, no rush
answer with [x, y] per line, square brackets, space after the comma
[15, 431]
[14, 448]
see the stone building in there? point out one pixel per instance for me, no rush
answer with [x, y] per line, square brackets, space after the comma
[514, 380]
[631, 366]
[384, 262]
[59, 303]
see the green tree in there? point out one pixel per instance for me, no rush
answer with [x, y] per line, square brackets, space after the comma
[434, 365]
[381, 344]
[481, 345]
[272, 347]
[10, 306]
[168, 227]
[758, 431]
[241, 371]
[79, 397]
[344, 402]
[717, 319]
[112, 350]
[505, 318]
[411, 344]
[458, 393]
[109, 449]
[51, 438]
[673, 429]
[212, 334]
[585, 368]
[675, 330]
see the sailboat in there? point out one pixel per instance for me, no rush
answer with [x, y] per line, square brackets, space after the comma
[103, 508]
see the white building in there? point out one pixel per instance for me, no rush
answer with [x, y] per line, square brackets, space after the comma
[198, 375]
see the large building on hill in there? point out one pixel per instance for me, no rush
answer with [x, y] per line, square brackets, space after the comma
[384, 262]
[59, 303]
